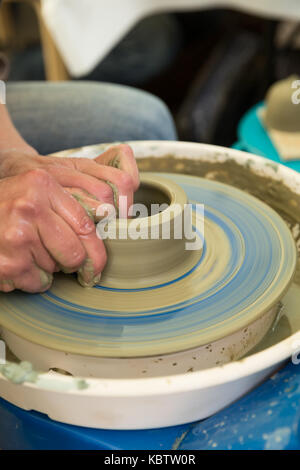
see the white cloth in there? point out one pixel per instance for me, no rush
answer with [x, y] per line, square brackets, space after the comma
[84, 31]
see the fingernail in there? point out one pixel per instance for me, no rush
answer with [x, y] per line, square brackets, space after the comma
[66, 270]
[46, 278]
[97, 279]
[82, 281]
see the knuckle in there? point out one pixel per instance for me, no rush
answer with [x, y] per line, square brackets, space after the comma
[36, 187]
[26, 205]
[38, 176]
[125, 181]
[107, 193]
[77, 259]
[16, 236]
[87, 226]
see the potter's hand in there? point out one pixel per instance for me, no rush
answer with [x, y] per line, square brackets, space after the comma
[114, 173]
[43, 229]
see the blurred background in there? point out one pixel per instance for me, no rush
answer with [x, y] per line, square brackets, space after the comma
[209, 66]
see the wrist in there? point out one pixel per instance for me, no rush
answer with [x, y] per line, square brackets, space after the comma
[7, 152]
[13, 159]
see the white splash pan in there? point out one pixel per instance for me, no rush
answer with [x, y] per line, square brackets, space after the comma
[143, 403]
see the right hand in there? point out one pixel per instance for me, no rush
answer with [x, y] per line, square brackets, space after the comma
[43, 230]
[86, 178]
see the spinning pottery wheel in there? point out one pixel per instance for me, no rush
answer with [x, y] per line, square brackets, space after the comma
[156, 297]
[157, 343]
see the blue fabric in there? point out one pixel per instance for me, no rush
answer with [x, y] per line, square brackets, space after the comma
[57, 116]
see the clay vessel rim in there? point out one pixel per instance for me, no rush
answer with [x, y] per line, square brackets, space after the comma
[173, 191]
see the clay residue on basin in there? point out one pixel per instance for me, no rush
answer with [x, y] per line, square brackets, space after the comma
[274, 193]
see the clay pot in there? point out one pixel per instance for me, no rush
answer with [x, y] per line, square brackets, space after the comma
[144, 251]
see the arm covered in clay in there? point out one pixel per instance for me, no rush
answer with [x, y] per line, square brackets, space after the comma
[46, 229]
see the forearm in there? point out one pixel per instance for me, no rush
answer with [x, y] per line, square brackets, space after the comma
[10, 139]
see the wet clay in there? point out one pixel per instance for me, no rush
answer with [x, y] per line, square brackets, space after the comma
[274, 193]
[158, 296]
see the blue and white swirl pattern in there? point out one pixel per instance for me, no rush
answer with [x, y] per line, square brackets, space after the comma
[247, 263]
